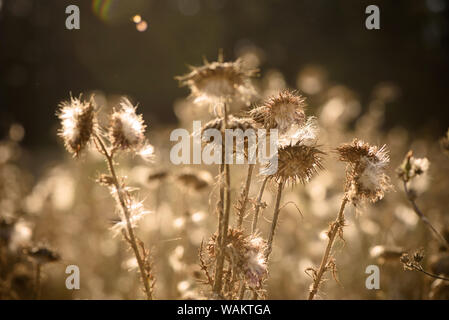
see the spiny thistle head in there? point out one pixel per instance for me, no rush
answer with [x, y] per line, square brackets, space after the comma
[219, 82]
[297, 163]
[78, 120]
[281, 111]
[365, 175]
[127, 129]
[412, 167]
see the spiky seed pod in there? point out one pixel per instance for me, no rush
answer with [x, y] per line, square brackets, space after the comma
[127, 129]
[42, 254]
[281, 111]
[218, 82]
[297, 163]
[78, 120]
[365, 175]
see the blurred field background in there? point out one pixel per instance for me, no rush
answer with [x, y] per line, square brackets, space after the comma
[385, 86]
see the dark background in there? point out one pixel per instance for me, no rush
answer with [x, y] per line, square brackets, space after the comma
[41, 61]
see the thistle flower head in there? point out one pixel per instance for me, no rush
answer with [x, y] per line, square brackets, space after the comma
[365, 175]
[219, 82]
[78, 122]
[127, 129]
[297, 163]
[281, 111]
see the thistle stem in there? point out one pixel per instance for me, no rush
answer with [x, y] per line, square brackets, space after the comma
[275, 220]
[225, 198]
[334, 229]
[258, 205]
[423, 218]
[245, 193]
[420, 269]
[129, 227]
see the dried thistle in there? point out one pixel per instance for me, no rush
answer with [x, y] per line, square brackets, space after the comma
[281, 111]
[244, 253]
[126, 132]
[365, 174]
[220, 82]
[127, 129]
[296, 163]
[79, 123]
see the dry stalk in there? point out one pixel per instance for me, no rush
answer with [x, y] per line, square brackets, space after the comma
[423, 218]
[130, 230]
[258, 205]
[225, 199]
[275, 220]
[244, 197]
[335, 229]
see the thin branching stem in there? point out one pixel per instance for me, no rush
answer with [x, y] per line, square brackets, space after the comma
[275, 220]
[258, 205]
[131, 237]
[420, 269]
[244, 200]
[335, 228]
[423, 218]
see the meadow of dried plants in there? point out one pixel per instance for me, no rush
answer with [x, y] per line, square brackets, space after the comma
[346, 195]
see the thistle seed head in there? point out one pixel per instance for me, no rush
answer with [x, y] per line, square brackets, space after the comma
[219, 82]
[78, 120]
[127, 129]
[365, 174]
[281, 111]
[297, 163]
